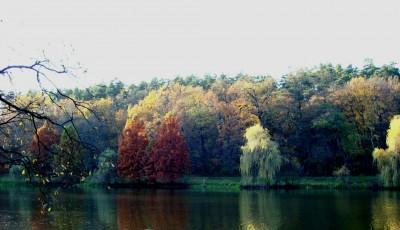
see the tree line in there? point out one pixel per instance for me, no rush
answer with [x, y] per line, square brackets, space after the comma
[313, 122]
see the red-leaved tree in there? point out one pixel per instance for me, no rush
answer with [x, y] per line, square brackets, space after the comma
[42, 145]
[169, 157]
[132, 150]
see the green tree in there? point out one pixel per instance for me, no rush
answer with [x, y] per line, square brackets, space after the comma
[261, 159]
[68, 164]
[106, 171]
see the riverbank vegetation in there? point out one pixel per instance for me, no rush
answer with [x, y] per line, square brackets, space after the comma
[388, 160]
[331, 182]
[261, 159]
[311, 123]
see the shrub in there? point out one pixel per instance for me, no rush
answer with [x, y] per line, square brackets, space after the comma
[106, 171]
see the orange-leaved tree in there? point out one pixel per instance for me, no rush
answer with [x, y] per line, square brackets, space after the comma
[132, 150]
[42, 145]
[169, 157]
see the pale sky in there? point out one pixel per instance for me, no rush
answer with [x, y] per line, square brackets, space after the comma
[140, 40]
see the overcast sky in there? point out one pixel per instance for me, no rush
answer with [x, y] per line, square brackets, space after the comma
[139, 40]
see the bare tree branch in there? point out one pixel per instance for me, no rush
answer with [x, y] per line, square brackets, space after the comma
[12, 112]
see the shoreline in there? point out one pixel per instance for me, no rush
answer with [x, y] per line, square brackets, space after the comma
[234, 184]
[199, 183]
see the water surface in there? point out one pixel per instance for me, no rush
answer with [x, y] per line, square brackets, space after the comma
[179, 209]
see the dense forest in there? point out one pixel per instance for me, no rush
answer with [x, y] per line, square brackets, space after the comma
[322, 121]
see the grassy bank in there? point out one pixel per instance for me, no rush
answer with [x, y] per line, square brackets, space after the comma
[7, 181]
[214, 183]
[355, 182]
[233, 183]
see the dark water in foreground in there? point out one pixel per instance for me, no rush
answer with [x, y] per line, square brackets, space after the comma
[164, 209]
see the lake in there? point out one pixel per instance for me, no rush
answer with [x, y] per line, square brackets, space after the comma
[180, 209]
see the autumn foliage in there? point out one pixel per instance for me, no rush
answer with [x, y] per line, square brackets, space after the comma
[132, 150]
[169, 154]
[42, 143]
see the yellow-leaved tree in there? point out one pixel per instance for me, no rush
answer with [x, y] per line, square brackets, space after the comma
[388, 160]
[261, 159]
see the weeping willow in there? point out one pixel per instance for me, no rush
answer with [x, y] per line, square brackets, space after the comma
[388, 160]
[261, 159]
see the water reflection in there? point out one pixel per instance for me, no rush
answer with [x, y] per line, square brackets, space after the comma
[213, 210]
[105, 208]
[15, 209]
[259, 210]
[151, 210]
[39, 220]
[305, 209]
[386, 211]
[164, 209]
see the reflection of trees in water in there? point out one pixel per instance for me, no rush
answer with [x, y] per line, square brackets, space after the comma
[38, 220]
[151, 210]
[345, 209]
[305, 209]
[216, 210]
[259, 210]
[15, 208]
[105, 207]
[127, 209]
[76, 210]
[20, 208]
[177, 210]
[68, 211]
[386, 211]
